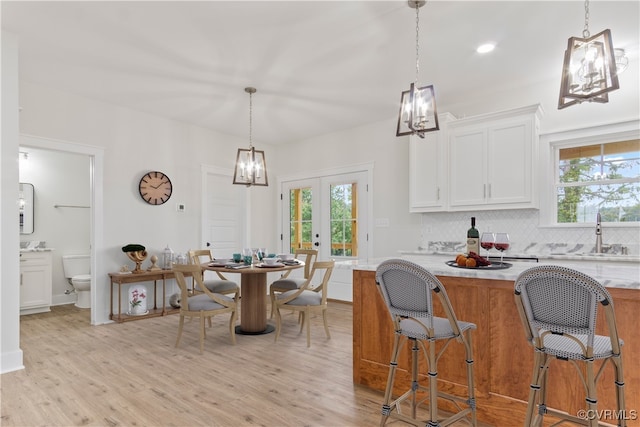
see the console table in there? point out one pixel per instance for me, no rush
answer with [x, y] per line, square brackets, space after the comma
[146, 276]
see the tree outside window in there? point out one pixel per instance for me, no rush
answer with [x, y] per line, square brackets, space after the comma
[601, 178]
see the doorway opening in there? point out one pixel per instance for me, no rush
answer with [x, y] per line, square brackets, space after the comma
[95, 176]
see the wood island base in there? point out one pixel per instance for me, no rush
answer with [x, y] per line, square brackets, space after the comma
[503, 359]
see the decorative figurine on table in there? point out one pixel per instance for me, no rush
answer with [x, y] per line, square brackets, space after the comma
[154, 266]
[137, 254]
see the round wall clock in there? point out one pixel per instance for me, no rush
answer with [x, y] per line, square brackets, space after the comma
[155, 188]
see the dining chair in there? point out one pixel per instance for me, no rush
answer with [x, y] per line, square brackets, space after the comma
[558, 307]
[309, 298]
[286, 282]
[221, 285]
[407, 290]
[204, 304]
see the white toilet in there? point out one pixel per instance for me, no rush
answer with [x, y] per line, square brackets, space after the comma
[77, 270]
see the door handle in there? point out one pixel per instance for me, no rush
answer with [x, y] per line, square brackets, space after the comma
[316, 244]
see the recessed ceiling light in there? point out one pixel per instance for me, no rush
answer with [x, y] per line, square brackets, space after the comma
[485, 48]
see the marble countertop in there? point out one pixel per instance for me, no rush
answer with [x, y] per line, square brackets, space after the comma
[612, 274]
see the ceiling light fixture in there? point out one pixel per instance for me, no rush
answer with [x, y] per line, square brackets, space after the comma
[589, 69]
[485, 48]
[251, 167]
[621, 60]
[418, 112]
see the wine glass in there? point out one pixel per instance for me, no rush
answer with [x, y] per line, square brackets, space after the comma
[487, 241]
[501, 243]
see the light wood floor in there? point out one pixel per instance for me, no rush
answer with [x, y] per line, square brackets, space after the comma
[130, 374]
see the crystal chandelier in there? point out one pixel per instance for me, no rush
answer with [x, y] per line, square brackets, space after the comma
[251, 167]
[418, 112]
[589, 70]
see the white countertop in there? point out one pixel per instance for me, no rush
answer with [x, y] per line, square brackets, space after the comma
[612, 274]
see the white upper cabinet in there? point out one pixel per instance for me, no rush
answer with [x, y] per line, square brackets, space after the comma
[428, 169]
[493, 160]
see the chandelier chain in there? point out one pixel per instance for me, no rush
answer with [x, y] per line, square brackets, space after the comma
[585, 31]
[250, 119]
[417, 43]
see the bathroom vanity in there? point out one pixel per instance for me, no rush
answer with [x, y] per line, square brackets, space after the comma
[35, 281]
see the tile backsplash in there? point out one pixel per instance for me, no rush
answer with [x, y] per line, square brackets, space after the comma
[450, 228]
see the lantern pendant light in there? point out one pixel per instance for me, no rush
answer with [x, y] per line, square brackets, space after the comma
[418, 113]
[589, 70]
[251, 166]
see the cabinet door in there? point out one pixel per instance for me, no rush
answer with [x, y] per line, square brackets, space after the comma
[33, 286]
[427, 179]
[509, 164]
[467, 182]
[35, 282]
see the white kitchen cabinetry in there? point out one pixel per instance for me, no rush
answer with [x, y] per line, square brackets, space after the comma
[493, 160]
[35, 282]
[428, 169]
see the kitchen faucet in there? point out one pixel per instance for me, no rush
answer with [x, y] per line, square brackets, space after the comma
[599, 245]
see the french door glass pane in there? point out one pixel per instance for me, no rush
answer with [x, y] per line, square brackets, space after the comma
[344, 220]
[300, 217]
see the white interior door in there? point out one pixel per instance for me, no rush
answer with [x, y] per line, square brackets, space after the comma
[223, 213]
[328, 213]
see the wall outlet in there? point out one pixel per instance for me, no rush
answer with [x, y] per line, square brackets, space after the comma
[382, 222]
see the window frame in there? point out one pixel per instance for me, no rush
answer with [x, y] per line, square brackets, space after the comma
[551, 144]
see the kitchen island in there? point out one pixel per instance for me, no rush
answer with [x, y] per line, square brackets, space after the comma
[503, 358]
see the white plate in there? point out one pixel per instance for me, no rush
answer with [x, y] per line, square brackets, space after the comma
[277, 264]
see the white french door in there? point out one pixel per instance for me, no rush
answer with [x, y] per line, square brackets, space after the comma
[327, 213]
[223, 213]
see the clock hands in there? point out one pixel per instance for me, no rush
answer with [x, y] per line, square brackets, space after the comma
[158, 186]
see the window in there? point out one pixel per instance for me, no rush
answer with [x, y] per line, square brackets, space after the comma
[603, 177]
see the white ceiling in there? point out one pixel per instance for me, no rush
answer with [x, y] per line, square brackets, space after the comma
[319, 66]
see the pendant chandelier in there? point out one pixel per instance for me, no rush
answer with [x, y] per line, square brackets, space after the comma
[589, 70]
[251, 167]
[418, 112]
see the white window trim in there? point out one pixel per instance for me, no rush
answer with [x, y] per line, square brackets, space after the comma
[549, 142]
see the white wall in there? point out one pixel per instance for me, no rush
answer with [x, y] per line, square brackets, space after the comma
[11, 355]
[135, 143]
[375, 143]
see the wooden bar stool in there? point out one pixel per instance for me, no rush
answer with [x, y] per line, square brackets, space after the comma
[407, 290]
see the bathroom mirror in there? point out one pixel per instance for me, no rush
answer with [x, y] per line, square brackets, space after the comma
[25, 205]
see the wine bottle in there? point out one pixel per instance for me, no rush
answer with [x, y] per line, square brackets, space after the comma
[473, 237]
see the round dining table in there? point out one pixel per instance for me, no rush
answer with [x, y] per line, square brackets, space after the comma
[253, 293]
